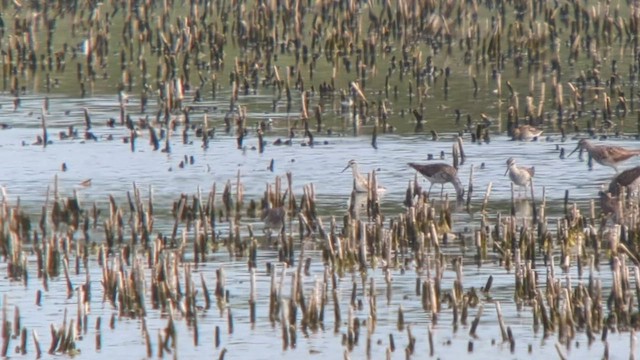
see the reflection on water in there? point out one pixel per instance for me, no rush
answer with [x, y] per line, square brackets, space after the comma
[523, 208]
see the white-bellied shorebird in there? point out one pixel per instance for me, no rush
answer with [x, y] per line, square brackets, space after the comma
[526, 132]
[519, 176]
[607, 155]
[629, 178]
[360, 182]
[440, 174]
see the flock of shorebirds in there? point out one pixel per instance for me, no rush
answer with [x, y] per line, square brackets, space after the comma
[442, 173]
[607, 155]
[439, 173]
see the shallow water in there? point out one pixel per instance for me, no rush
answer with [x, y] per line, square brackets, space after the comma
[111, 164]
[29, 169]
[113, 168]
[262, 340]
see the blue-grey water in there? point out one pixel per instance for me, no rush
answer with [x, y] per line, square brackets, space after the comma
[29, 169]
[113, 168]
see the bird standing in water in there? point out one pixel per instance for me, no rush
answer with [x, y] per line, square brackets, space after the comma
[629, 178]
[526, 132]
[273, 219]
[360, 182]
[440, 174]
[609, 203]
[607, 155]
[519, 176]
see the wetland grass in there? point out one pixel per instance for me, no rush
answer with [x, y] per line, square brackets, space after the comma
[146, 256]
[355, 250]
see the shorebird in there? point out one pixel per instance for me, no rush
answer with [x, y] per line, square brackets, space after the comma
[273, 219]
[629, 178]
[360, 182]
[609, 204]
[607, 155]
[440, 174]
[526, 132]
[519, 176]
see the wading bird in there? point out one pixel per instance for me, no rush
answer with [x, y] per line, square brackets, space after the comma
[629, 178]
[607, 155]
[519, 176]
[360, 182]
[440, 174]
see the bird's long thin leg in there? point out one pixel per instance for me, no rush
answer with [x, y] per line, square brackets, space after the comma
[441, 190]
[429, 192]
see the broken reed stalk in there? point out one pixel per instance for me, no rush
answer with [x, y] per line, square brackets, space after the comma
[487, 193]
[252, 297]
[476, 321]
[36, 343]
[470, 189]
[503, 330]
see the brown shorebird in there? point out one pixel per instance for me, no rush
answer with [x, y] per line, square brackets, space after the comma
[273, 219]
[360, 182]
[608, 203]
[629, 178]
[519, 176]
[440, 174]
[526, 132]
[607, 155]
